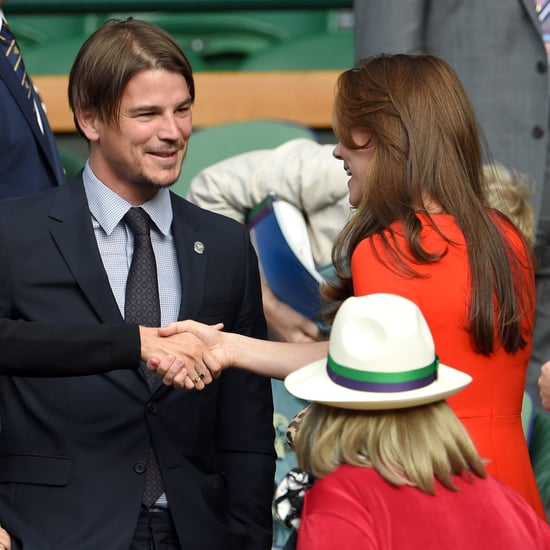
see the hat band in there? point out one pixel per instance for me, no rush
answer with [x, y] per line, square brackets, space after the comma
[381, 381]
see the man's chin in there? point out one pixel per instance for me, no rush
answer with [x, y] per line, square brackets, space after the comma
[160, 183]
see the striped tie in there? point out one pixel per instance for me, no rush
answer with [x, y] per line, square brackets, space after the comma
[10, 50]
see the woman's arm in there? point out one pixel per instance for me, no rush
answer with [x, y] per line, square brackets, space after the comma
[264, 357]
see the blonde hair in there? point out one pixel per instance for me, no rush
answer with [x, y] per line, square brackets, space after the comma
[410, 446]
[509, 192]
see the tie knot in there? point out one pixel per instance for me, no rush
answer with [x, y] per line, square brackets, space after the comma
[138, 221]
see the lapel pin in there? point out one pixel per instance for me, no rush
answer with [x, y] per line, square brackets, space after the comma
[198, 247]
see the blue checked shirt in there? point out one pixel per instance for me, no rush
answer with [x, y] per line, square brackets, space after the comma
[116, 242]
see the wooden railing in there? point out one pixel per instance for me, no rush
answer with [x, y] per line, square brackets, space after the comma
[300, 96]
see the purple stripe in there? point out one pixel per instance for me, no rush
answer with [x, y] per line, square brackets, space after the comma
[380, 387]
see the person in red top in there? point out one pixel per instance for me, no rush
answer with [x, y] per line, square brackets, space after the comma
[422, 228]
[393, 466]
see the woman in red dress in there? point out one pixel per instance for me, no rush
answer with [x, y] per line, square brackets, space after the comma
[422, 230]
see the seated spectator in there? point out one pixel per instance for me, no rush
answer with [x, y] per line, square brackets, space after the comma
[510, 192]
[392, 464]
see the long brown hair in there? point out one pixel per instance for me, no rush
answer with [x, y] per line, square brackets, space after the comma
[426, 147]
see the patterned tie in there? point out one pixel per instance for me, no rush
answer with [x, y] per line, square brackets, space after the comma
[142, 307]
[10, 50]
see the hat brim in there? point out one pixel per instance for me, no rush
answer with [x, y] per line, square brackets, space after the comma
[313, 384]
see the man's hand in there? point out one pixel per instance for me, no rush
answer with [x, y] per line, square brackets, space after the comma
[285, 324]
[544, 385]
[172, 371]
[184, 351]
[5, 540]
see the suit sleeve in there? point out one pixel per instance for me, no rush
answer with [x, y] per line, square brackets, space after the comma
[43, 349]
[245, 450]
[389, 26]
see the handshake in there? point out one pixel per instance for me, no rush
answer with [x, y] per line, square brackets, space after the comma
[188, 354]
[185, 354]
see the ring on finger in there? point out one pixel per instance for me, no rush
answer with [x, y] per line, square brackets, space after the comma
[201, 375]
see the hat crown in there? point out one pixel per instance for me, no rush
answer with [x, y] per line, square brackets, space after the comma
[382, 333]
[381, 356]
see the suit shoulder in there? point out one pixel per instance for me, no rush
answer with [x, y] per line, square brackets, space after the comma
[28, 203]
[205, 217]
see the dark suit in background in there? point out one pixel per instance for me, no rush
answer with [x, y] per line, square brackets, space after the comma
[29, 159]
[497, 51]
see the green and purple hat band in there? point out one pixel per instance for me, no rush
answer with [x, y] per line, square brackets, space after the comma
[361, 380]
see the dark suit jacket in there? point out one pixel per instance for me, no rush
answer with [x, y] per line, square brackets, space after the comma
[72, 450]
[46, 349]
[497, 50]
[29, 160]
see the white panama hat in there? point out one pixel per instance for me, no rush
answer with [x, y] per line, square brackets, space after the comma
[381, 356]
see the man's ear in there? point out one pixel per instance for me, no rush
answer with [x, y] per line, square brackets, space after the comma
[88, 123]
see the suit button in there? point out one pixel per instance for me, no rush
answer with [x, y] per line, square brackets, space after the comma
[538, 132]
[542, 66]
[139, 467]
[151, 408]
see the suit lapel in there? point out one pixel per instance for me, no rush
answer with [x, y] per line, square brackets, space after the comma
[71, 229]
[530, 7]
[192, 253]
[45, 140]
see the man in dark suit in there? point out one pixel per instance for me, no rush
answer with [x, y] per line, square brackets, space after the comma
[29, 159]
[75, 452]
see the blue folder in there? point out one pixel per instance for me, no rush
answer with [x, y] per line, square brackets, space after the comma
[292, 280]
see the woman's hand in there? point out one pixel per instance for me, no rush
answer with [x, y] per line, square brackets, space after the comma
[172, 370]
[183, 352]
[544, 385]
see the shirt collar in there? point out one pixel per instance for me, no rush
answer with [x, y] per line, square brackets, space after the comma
[108, 208]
